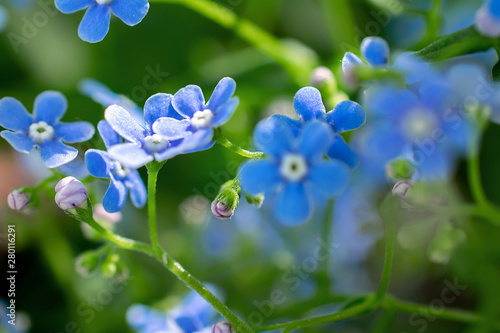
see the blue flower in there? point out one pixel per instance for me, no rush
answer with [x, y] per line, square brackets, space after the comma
[101, 94]
[295, 167]
[346, 116]
[122, 179]
[157, 140]
[43, 130]
[488, 19]
[95, 23]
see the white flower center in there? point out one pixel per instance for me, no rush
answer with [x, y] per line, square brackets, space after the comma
[293, 167]
[202, 118]
[41, 132]
[103, 2]
[119, 170]
[420, 124]
[155, 143]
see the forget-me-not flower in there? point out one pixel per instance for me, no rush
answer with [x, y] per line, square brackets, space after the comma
[295, 167]
[43, 130]
[122, 179]
[95, 23]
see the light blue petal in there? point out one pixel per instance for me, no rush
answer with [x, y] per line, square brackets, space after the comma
[293, 206]
[131, 12]
[437, 165]
[98, 163]
[71, 6]
[95, 23]
[295, 124]
[18, 141]
[171, 128]
[273, 136]
[222, 93]
[55, 153]
[14, 116]
[50, 106]
[259, 176]
[330, 177]
[135, 185]
[375, 50]
[224, 113]
[199, 140]
[124, 124]
[340, 150]
[108, 135]
[349, 61]
[315, 139]
[346, 116]
[115, 196]
[156, 107]
[188, 101]
[308, 104]
[130, 154]
[79, 131]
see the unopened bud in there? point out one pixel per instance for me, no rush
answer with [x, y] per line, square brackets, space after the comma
[323, 77]
[486, 23]
[401, 188]
[19, 199]
[226, 202]
[400, 169]
[223, 327]
[87, 262]
[349, 64]
[70, 194]
[114, 267]
[255, 200]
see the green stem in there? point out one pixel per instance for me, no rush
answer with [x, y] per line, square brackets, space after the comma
[251, 33]
[323, 280]
[223, 141]
[390, 240]
[153, 170]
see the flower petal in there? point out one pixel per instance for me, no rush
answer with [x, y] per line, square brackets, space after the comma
[50, 106]
[14, 116]
[79, 131]
[189, 100]
[108, 135]
[308, 104]
[131, 12]
[315, 139]
[18, 141]
[340, 150]
[115, 196]
[375, 50]
[71, 6]
[157, 106]
[346, 116]
[222, 93]
[259, 176]
[98, 163]
[138, 193]
[224, 113]
[124, 124]
[331, 177]
[273, 136]
[55, 153]
[293, 206]
[199, 140]
[171, 128]
[130, 154]
[295, 124]
[95, 23]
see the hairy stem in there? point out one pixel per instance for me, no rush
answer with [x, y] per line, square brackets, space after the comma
[153, 170]
[223, 141]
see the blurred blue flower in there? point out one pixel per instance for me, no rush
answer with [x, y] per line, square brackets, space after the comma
[95, 23]
[4, 18]
[101, 94]
[295, 167]
[43, 130]
[156, 141]
[194, 315]
[488, 19]
[122, 179]
[346, 116]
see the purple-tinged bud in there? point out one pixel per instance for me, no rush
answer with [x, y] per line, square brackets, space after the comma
[322, 76]
[221, 211]
[487, 24]
[228, 199]
[71, 194]
[401, 188]
[223, 327]
[19, 199]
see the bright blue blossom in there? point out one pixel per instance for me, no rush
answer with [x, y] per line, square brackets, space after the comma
[122, 179]
[43, 130]
[157, 140]
[95, 23]
[346, 116]
[295, 167]
[488, 19]
[194, 315]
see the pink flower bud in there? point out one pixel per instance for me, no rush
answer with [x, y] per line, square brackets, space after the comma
[321, 76]
[401, 188]
[18, 200]
[221, 211]
[71, 193]
[223, 327]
